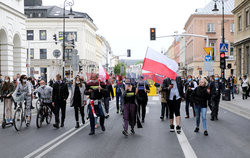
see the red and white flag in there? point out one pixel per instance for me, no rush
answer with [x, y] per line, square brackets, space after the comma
[158, 63]
[103, 75]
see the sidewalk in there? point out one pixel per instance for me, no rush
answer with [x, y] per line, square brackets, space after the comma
[238, 106]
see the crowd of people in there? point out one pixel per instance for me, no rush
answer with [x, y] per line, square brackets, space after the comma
[131, 98]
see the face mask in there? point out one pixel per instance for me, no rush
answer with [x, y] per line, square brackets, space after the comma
[24, 81]
[77, 82]
[189, 79]
[216, 79]
[42, 86]
[6, 80]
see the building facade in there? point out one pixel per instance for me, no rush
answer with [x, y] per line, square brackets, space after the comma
[204, 22]
[242, 37]
[43, 22]
[12, 38]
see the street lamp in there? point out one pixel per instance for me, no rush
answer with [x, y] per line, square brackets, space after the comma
[223, 30]
[71, 15]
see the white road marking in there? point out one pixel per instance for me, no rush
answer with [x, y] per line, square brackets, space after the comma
[73, 130]
[185, 145]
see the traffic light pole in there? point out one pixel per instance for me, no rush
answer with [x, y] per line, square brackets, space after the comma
[223, 36]
[63, 71]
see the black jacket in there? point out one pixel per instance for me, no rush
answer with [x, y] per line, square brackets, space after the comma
[109, 90]
[216, 88]
[167, 82]
[200, 96]
[60, 92]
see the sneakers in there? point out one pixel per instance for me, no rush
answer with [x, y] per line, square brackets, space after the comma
[178, 129]
[103, 128]
[117, 111]
[124, 132]
[77, 125]
[162, 118]
[187, 117]
[92, 133]
[196, 130]
[205, 133]
[132, 131]
[212, 118]
[171, 128]
[56, 125]
[83, 121]
[62, 124]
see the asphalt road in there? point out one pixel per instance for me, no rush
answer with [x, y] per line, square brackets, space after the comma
[229, 137]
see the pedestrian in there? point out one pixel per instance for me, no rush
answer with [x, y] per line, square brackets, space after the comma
[230, 82]
[6, 92]
[129, 115]
[118, 92]
[189, 87]
[78, 100]
[164, 105]
[244, 86]
[24, 88]
[200, 97]
[59, 98]
[107, 97]
[216, 88]
[95, 89]
[175, 95]
[142, 98]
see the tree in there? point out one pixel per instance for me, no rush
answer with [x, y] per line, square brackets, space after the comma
[117, 69]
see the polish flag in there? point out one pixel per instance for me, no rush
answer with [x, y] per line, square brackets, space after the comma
[103, 75]
[158, 63]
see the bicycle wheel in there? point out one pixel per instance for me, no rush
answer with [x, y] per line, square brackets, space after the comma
[39, 118]
[18, 119]
[49, 115]
[38, 103]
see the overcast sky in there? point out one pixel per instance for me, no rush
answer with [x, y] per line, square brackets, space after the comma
[125, 23]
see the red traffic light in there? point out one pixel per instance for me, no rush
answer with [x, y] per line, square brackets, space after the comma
[222, 55]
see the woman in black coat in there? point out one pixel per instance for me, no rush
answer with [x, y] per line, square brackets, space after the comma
[200, 97]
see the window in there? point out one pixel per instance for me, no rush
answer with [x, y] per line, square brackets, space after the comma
[43, 53]
[231, 50]
[31, 53]
[232, 27]
[210, 27]
[239, 23]
[212, 52]
[43, 35]
[30, 34]
[247, 18]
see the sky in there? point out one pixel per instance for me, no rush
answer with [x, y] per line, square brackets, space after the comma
[126, 23]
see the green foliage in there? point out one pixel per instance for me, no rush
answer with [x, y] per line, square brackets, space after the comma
[117, 69]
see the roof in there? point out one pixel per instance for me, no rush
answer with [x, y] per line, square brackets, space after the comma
[53, 12]
[228, 7]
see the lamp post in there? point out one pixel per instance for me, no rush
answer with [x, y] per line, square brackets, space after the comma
[215, 10]
[71, 15]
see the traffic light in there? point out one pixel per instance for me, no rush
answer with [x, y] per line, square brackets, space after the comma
[222, 60]
[152, 34]
[229, 66]
[80, 68]
[55, 38]
[128, 53]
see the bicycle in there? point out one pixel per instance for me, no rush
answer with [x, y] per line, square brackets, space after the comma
[44, 112]
[20, 116]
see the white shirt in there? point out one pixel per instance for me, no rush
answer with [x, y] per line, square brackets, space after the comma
[245, 83]
[174, 91]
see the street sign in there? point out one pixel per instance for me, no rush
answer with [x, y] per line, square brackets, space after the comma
[208, 58]
[207, 50]
[56, 53]
[223, 47]
[208, 66]
[75, 62]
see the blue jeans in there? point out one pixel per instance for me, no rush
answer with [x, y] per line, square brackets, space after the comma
[232, 90]
[203, 111]
[93, 119]
[119, 97]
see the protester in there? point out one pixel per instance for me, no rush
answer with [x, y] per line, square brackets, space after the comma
[59, 98]
[142, 97]
[244, 86]
[129, 115]
[175, 95]
[200, 97]
[164, 104]
[107, 97]
[216, 88]
[78, 100]
[189, 87]
[118, 92]
[6, 92]
[230, 82]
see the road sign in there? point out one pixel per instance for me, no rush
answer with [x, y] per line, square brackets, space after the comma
[207, 50]
[208, 66]
[208, 58]
[56, 53]
[223, 47]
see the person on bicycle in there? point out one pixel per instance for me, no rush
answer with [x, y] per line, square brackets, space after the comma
[45, 92]
[5, 92]
[24, 88]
